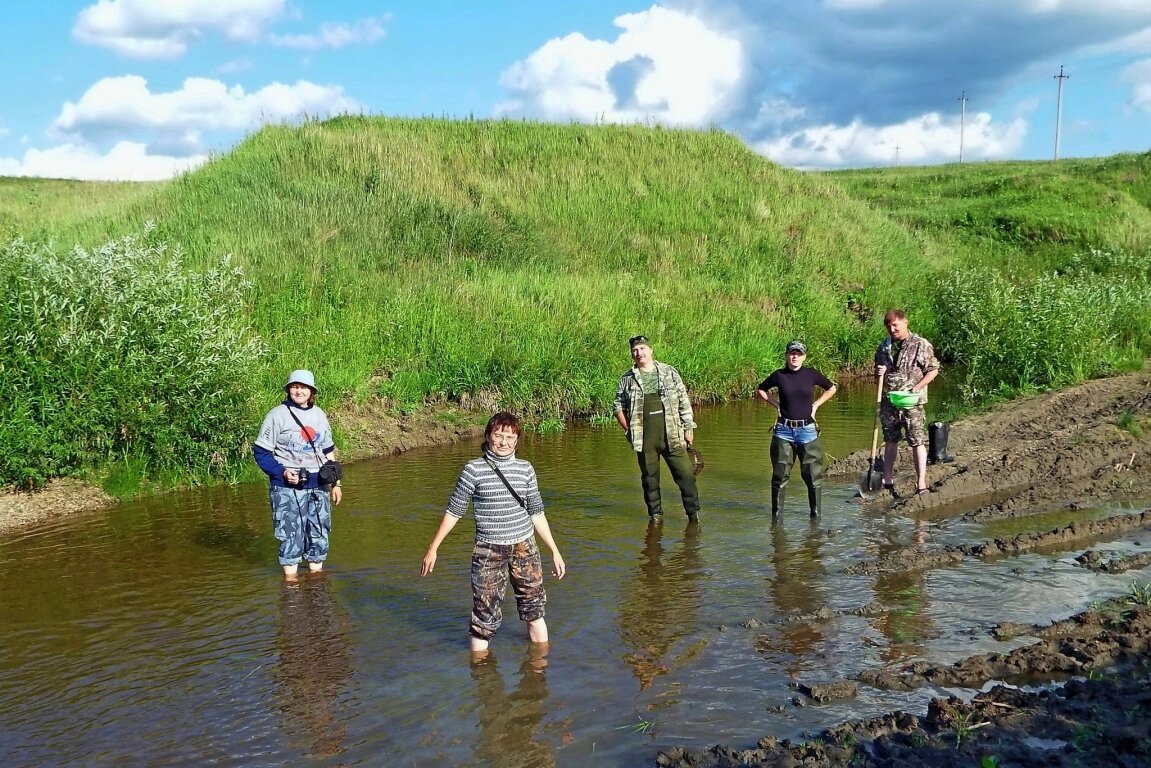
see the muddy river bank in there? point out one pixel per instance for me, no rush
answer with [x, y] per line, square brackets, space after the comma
[1078, 693]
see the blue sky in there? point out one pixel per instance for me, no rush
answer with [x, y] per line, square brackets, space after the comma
[144, 89]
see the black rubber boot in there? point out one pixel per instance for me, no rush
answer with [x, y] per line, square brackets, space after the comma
[814, 500]
[937, 433]
[782, 456]
[811, 468]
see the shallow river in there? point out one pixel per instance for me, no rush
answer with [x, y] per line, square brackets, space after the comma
[161, 632]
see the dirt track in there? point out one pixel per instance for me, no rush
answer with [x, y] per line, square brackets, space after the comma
[1063, 450]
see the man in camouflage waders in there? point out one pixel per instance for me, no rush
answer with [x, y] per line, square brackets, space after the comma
[653, 409]
[907, 363]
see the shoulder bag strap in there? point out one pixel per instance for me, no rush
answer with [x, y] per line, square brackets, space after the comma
[311, 442]
[507, 485]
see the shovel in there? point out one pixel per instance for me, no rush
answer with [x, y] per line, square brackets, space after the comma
[872, 480]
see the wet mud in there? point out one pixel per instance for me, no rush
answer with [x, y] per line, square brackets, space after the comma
[60, 497]
[1107, 562]
[1080, 693]
[1087, 722]
[1064, 449]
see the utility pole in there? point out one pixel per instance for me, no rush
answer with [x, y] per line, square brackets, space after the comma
[1059, 108]
[962, 120]
[897, 154]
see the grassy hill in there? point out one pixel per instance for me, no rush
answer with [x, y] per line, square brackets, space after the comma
[1029, 216]
[506, 262]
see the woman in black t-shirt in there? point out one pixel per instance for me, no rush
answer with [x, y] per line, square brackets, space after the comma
[795, 433]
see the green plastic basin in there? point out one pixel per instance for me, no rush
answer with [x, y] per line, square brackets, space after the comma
[904, 399]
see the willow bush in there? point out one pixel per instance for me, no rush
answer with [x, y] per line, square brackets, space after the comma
[1092, 318]
[122, 353]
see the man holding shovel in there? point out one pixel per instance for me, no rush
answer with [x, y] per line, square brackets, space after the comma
[905, 362]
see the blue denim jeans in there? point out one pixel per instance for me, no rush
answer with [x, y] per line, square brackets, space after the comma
[796, 435]
[302, 521]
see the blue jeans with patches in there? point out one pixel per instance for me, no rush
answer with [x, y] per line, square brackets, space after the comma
[302, 521]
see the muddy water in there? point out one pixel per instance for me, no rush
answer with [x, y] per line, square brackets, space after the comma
[161, 633]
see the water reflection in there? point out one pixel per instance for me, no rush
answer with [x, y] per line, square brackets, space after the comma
[903, 615]
[315, 664]
[510, 720]
[660, 603]
[796, 589]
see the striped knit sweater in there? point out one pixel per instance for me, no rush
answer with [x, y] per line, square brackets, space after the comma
[499, 518]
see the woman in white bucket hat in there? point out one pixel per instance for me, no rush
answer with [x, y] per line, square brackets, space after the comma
[294, 442]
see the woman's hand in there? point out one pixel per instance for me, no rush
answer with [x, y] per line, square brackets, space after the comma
[429, 563]
[559, 568]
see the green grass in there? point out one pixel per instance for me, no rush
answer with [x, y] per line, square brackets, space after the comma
[1051, 280]
[506, 263]
[1139, 594]
[1021, 216]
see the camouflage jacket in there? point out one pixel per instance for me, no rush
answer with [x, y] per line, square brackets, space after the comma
[678, 416]
[915, 359]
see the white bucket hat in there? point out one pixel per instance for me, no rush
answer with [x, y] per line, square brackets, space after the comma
[301, 377]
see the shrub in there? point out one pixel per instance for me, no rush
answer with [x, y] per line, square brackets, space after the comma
[1091, 319]
[121, 352]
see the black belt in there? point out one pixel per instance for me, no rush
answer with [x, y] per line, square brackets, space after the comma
[795, 423]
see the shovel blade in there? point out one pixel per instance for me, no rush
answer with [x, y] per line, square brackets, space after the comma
[871, 480]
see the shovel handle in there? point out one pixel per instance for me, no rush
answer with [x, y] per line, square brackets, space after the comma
[875, 431]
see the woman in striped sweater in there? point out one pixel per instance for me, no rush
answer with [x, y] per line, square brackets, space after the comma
[509, 515]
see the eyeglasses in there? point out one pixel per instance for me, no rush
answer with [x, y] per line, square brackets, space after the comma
[637, 340]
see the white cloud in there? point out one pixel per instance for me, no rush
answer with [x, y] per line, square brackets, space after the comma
[234, 67]
[126, 161]
[157, 30]
[923, 140]
[665, 66]
[124, 107]
[1138, 75]
[333, 35]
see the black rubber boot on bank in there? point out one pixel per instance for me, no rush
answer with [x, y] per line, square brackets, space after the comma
[937, 434]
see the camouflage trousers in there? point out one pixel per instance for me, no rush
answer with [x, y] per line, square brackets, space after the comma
[492, 566]
[302, 521]
[897, 421]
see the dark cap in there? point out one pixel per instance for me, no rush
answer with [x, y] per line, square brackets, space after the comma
[636, 340]
[796, 346]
